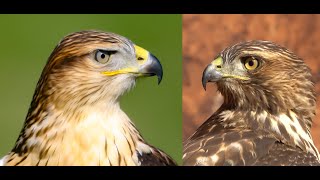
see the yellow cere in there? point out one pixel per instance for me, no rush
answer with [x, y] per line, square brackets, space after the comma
[141, 54]
[217, 62]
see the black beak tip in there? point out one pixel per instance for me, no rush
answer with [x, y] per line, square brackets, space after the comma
[157, 68]
[210, 74]
[205, 78]
[204, 83]
[159, 77]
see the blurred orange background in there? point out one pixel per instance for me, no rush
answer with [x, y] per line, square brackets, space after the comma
[204, 36]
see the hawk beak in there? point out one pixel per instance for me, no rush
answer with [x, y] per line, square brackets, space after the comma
[211, 73]
[149, 65]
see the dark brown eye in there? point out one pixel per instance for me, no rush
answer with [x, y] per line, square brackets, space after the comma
[250, 63]
[102, 57]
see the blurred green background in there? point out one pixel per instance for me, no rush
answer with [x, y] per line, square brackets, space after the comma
[27, 41]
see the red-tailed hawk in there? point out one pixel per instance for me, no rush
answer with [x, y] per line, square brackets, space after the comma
[266, 116]
[75, 116]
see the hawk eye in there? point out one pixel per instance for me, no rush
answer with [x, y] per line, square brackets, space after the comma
[102, 56]
[250, 63]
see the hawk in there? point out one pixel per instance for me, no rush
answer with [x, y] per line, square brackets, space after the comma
[75, 116]
[266, 116]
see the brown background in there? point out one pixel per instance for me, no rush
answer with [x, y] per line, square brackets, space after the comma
[204, 36]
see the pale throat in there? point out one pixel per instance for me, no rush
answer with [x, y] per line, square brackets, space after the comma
[96, 135]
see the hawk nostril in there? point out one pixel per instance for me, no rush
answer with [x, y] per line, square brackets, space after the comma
[140, 58]
[218, 66]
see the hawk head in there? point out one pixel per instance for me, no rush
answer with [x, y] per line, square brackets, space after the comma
[269, 100]
[263, 76]
[91, 66]
[75, 107]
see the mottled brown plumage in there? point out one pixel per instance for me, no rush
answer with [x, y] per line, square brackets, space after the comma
[269, 103]
[75, 117]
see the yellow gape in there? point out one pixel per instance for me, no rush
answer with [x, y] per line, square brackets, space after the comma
[120, 71]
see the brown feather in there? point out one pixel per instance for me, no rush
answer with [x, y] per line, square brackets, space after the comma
[264, 117]
[75, 117]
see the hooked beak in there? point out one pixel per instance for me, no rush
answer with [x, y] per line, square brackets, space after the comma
[212, 72]
[148, 65]
[151, 67]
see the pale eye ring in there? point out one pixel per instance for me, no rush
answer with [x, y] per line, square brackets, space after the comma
[102, 57]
